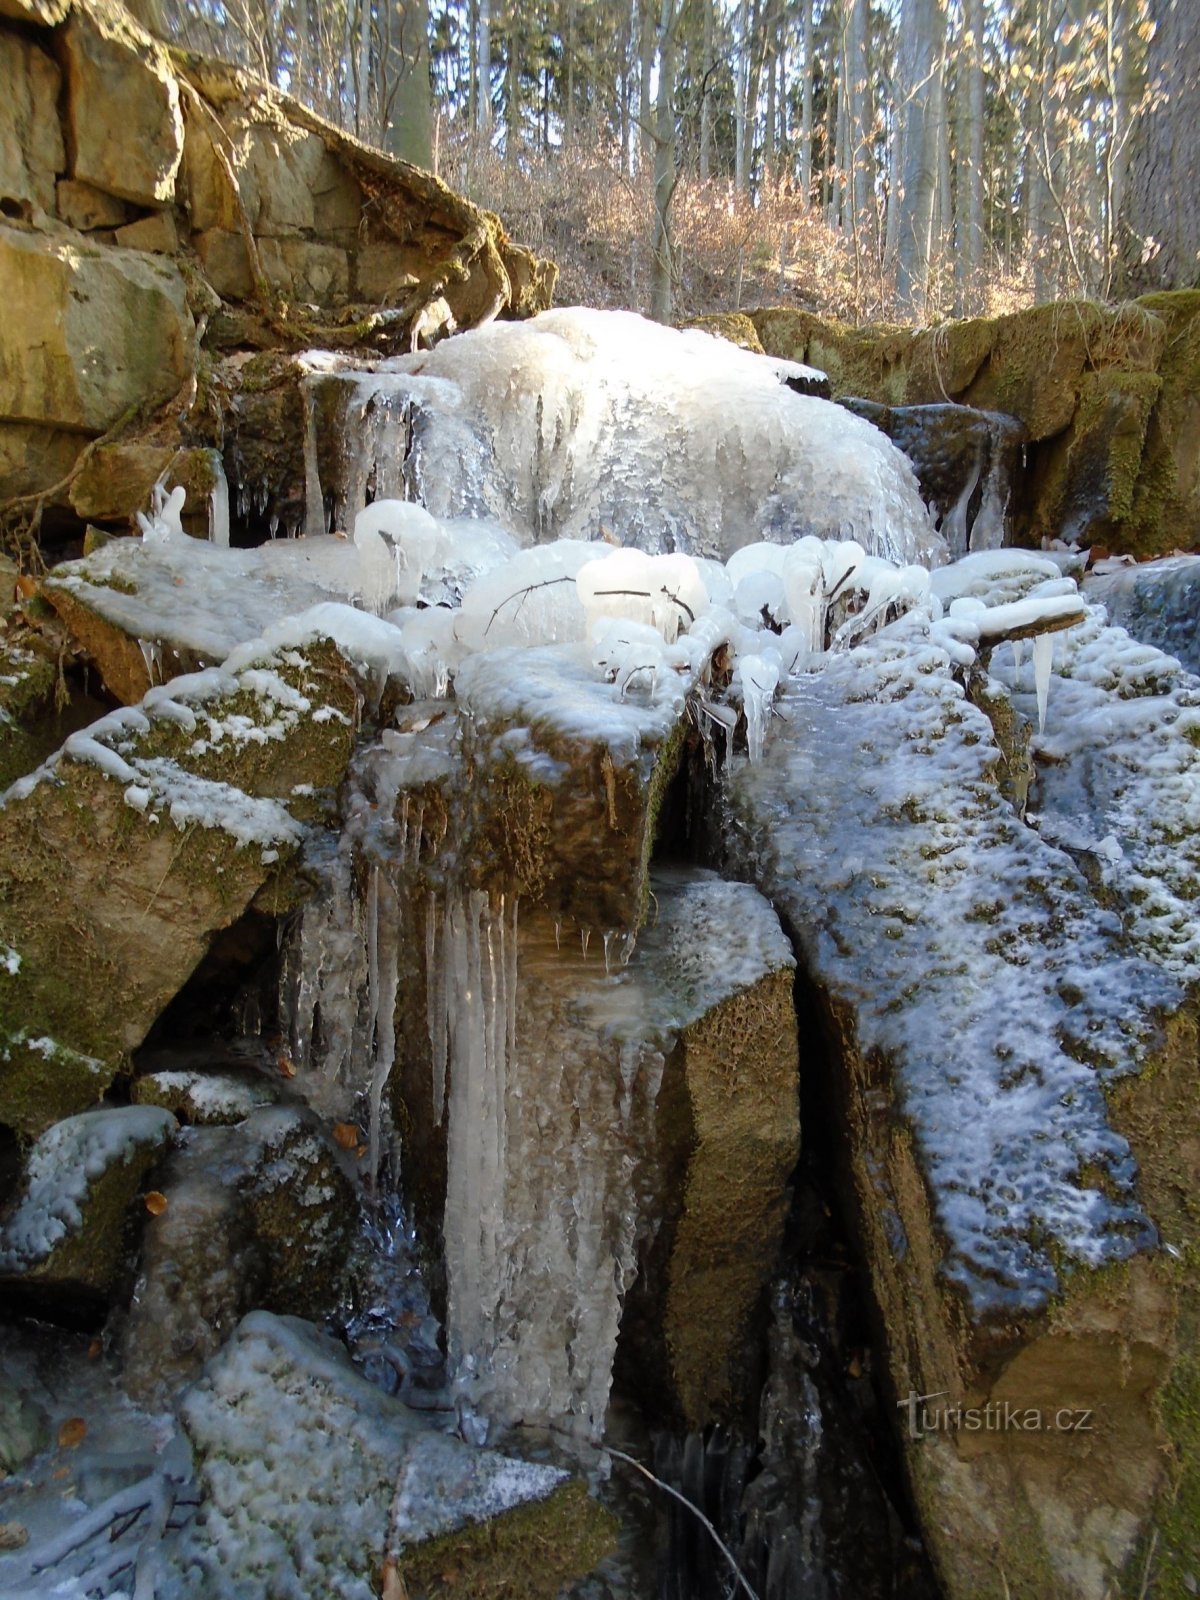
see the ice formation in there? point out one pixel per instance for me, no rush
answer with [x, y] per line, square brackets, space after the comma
[578, 420]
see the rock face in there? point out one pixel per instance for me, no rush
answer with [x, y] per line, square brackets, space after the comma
[104, 229]
[116, 79]
[390, 1496]
[182, 811]
[31, 142]
[1106, 395]
[105, 330]
[999, 1063]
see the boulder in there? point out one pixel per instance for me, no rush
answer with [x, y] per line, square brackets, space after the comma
[257, 1216]
[83, 207]
[118, 78]
[1008, 1013]
[67, 1243]
[116, 480]
[104, 330]
[394, 1507]
[1157, 601]
[176, 814]
[295, 268]
[31, 146]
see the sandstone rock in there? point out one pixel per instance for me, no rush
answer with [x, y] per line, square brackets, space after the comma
[258, 1216]
[155, 233]
[279, 168]
[178, 832]
[295, 268]
[80, 206]
[292, 1390]
[34, 458]
[31, 146]
[68, 1240]
[1107, 395]
[104, 330]
[385, 273]
[117, 479]
[118, 78]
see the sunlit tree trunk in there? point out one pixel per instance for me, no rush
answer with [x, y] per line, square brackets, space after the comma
[924, 25]
[1162, 205]
[662, 266]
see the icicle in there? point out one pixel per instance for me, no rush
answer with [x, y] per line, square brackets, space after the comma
[403, 827]
[1043, 664]
[585, 936]
[152, 656]
[1018, 650]
[218, 505]
[414, 855]
[314, 499]
[435, 1006]
[557, 933]
[609, 936]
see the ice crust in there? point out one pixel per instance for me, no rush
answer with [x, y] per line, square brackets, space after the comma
[281, 1394]
[63, 1164]
[1157, 601]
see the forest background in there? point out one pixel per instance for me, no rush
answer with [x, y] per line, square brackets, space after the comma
[902, 159]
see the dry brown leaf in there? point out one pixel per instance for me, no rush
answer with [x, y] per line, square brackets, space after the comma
[156, 1203]
[346, 1135]
[286, 1065]
[94, 1350]
[26, 587]
[71, 1432]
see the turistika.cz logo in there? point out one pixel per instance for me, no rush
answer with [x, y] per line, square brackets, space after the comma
[925, 1415]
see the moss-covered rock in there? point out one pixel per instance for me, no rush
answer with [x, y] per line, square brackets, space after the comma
[735, 326]
[1106, 394]
[174, 834]
[67, 1243]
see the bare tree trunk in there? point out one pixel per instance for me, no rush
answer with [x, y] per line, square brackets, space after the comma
[706, 93]
[804, 165]
[512, 76]
[924, 23]
[662, 267]
[409, 116]
[1161, 218]
[969, 233]
[483, 99]
[861, 119]
[646, 141]
[741, 81]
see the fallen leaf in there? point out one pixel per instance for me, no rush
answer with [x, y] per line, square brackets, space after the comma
[72, 1432]
[156, 1203]
[13, 1535]
[26, 587]
[360, 1150]
[286, 1065]
[94, 1350]
[346, 1135]
[61, 1473]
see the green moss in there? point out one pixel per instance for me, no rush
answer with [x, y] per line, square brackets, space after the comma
[529, 1553]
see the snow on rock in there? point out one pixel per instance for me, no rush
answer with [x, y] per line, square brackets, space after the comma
[966, 949]
[281, 1394]
[579, 420]
[1119, 780]
[63, 1175]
